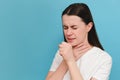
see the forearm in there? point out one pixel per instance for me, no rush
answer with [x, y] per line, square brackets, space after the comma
[74, 71]
[59, 73]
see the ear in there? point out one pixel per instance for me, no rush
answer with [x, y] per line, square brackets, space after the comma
[89, 26]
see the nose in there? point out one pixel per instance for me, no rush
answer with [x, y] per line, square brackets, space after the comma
[69, 32]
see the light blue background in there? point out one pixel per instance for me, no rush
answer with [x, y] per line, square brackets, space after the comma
[30, 31]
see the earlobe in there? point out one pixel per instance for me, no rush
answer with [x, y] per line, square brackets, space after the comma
[89, 26]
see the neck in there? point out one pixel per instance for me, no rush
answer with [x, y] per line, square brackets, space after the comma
[81, 49]
[85, 43]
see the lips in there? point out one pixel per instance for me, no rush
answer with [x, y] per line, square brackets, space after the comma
[70, 39]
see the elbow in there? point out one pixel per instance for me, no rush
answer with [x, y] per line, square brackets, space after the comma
[47, 78]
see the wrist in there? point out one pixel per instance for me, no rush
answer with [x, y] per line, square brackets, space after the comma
[70, 62]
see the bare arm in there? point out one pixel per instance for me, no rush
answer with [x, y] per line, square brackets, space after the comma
[59, 73]
[67, 53]
[68, 63]
[74, 71]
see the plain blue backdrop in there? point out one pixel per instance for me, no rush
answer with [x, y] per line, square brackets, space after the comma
[30, 31]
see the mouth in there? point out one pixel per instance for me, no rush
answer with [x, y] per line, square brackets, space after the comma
[70, 39]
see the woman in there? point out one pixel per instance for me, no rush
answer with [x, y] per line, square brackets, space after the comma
[81, 56]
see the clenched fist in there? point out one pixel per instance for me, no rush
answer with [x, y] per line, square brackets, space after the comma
[66, 51]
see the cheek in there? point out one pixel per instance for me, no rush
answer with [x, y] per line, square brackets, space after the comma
[81, 34]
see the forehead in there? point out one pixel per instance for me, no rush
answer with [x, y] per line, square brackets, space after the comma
[71, 19]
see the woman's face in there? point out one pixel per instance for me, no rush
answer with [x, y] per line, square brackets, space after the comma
[75, 30]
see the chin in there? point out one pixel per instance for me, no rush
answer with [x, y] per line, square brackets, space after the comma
[72, 44]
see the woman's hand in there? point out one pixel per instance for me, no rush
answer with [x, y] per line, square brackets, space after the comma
[80, 49]
[66, 51]
[73, 53]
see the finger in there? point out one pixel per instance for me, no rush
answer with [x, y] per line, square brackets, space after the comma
[60, 51]
[83, 47]
[61, 45]
[80, 45]
[64, 42]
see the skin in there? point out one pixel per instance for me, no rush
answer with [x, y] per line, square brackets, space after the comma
[76, 34]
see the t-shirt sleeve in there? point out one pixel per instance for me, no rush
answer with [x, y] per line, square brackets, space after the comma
[104, 70]
[56, 62]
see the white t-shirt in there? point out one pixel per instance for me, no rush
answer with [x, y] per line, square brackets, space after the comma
[94, 63]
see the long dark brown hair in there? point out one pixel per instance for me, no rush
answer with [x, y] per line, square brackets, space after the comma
[82, 10]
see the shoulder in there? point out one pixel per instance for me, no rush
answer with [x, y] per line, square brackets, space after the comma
[102, 54]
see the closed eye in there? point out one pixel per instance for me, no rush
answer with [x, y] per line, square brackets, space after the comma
[74, 27]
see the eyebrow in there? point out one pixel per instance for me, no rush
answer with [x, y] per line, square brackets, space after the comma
[70, 26]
